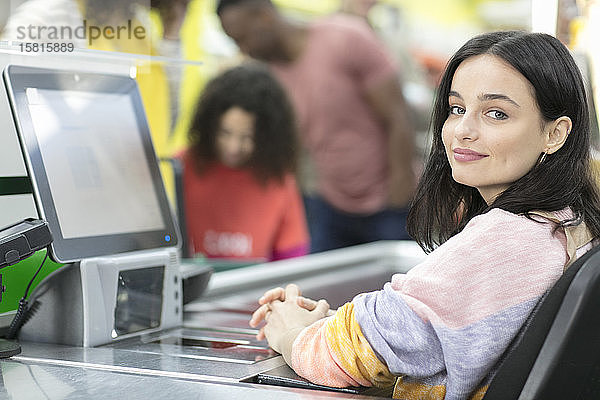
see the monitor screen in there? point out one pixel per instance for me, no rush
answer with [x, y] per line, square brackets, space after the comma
[90, 156]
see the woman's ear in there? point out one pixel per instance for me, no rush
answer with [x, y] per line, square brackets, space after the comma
[559, 130]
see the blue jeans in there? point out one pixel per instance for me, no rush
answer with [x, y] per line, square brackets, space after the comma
[331, 228]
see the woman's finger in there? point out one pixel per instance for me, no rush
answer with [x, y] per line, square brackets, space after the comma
[292, 292]
[306, 303]
[322, 307]
[261, 334]
[259, 315]
[272, 294]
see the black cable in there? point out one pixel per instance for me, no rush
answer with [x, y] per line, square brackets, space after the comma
[24, 311]
[36, 274]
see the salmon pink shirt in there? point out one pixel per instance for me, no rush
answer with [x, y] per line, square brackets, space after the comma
[229, 214]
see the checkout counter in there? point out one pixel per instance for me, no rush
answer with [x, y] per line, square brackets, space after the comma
[214, 354]
[112, 321]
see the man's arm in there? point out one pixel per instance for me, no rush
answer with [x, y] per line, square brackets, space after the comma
[387, 101]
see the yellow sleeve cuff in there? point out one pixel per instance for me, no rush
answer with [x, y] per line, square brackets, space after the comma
[352, 350]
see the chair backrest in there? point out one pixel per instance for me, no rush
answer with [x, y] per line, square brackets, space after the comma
[556, 355]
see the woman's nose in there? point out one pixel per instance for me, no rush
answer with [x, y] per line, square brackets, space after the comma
[467, 127]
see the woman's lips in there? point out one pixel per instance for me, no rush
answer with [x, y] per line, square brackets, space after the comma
[467, 155]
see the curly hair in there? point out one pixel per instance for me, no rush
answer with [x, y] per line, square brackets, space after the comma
[252, 88]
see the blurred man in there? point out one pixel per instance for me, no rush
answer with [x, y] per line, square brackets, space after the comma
[351, 113]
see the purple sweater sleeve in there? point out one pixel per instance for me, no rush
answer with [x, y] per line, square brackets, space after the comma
[445, 324]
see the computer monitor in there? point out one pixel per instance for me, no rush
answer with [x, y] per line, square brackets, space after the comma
[89, 153]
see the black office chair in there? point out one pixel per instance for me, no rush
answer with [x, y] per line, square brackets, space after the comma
[556, 355]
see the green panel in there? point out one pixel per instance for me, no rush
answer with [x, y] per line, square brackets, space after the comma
[16, 277]
[15, 185]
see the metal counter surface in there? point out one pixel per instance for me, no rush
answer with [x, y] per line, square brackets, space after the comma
[24, 380]
[160, 364]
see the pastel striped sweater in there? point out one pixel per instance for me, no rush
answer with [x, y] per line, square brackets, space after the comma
[439, 331]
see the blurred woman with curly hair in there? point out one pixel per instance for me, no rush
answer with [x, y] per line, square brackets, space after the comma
[240, 192]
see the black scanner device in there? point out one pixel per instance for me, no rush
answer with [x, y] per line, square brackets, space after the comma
[21, 240]
[17, 242]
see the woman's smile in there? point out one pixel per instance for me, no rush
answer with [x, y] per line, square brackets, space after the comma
[466, 155]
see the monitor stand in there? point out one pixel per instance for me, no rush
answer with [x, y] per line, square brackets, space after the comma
[99, 300]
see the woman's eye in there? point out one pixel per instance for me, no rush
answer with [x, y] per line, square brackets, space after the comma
[456, 110]
[499, 115]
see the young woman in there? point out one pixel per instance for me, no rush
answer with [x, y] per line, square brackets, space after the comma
[505, 204]
[241, 197]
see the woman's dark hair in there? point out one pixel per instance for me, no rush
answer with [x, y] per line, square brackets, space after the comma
[252, 88]
[442, 207]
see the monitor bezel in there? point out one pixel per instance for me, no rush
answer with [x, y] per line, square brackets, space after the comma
[63, 250]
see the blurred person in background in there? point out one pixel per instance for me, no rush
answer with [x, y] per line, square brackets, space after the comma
[63, 21]
[48, 20]
[241, 198]
[390, 25]
[352, 118]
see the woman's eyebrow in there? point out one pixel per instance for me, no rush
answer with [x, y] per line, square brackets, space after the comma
[453, 93]
[497, 96]
[486, 97]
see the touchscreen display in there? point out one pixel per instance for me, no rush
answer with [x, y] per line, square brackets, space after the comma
[97, 169]
[90, 157]
[139, 300]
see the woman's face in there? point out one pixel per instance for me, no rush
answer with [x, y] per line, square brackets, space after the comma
[235, 137]
[494, 133]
